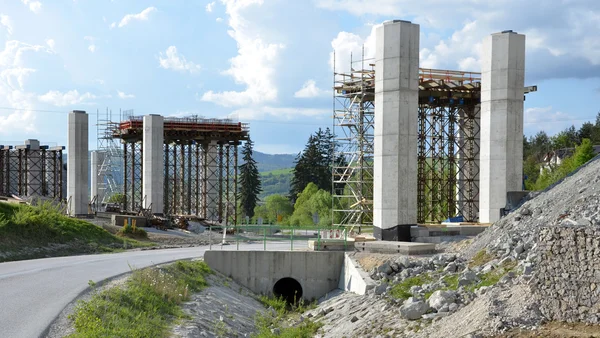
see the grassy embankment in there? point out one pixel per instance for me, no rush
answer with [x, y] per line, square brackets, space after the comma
[145, 306]
[28, 232]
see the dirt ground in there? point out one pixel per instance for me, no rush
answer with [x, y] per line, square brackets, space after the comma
[171, 239]
[557, 330]
[369, 260]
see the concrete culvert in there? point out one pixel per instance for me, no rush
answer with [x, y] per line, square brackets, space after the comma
[289, 289]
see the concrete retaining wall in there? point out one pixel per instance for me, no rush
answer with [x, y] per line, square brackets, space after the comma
[119, 220]
[317, 272]
[353, 278]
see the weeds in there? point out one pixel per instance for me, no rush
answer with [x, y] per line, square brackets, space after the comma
[145, 306]
[270, 324]
[132, 231]
[402, 289]
[481, 258]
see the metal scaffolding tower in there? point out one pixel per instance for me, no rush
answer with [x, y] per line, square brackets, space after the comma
[353, 129]
[110, 173]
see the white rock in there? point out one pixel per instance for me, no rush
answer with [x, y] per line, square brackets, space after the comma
[441, 298]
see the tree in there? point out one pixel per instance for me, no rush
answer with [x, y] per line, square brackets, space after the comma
[583, 153]
[278, 208]
[311, 201]
[314, 164]
[250, 185]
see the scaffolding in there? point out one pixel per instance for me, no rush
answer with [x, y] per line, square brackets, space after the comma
[200, 166]
[353, 129]
[110, 177]
[448, 145]
[28, 172]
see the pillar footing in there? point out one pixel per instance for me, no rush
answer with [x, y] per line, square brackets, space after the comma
[397, 233]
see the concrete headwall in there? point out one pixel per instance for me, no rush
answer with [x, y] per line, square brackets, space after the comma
[566, 279]
[353, 278]
[317, 272]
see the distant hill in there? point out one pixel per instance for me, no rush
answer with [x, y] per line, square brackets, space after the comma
[275, 182]
[268, 162]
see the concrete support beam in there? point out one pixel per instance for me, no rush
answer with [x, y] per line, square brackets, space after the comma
[502, 92]
[34, 168]
[77, 163]
[97, 158]
[396, 122]
[153, 163]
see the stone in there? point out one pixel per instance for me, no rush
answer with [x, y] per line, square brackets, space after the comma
[404, 262]
[451, 267]
[519, 249]
[395, 267]
[385, 268]
[452, 307]
[353, 319]
[525, 211]
[380, 289]
[441, 298]
[413, 310]
[468, 277]
[275, 331]
[527, 269]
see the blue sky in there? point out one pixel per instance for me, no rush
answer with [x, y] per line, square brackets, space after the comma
[266, 62]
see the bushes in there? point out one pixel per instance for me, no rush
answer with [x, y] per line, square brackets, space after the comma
[132, 231]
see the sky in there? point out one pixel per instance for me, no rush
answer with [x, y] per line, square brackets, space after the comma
[266, 62]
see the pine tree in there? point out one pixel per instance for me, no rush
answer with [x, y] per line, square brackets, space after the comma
[314, 164]
[250, 185]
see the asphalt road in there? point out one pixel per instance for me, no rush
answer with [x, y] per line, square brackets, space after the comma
[34, 292]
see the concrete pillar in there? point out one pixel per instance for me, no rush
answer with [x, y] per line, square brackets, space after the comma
[153, 163]
[34, 168]
[502, 92]
[97, 158]
[396, 124]
[77, 163]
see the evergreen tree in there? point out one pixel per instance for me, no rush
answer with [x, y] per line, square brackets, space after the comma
[314, 164]
[250, 185]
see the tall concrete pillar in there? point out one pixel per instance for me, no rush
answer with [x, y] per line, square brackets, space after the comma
[502, 92]
[153, 163]
[97, 158]
[34, 168]
[77, 163]
[396, 124]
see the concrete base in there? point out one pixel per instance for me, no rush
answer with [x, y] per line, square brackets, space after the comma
[404, 248]
[330, 245]
[119, 220]
[397, 233]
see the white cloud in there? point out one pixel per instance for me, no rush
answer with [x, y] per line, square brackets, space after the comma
[6, 23]
[546, 119]
[69, 98]
[172, 60]
[113, 25]
[50, 43]
[219, 19]
[349, 46]
[309, 90]
[34, 6]
[568, 44]
[142, 16]
[99, 81]
[13, 76]
[279, 113]
[92, 46]
[210, 7]
[254, 64]
[124, 96]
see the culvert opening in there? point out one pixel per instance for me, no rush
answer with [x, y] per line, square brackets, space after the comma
[289, 289]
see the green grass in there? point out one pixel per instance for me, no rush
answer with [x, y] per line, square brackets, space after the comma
[145, 306]
[283, 311]
[24, 228]
[402, 289]
[494, 276]
[481, 258]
